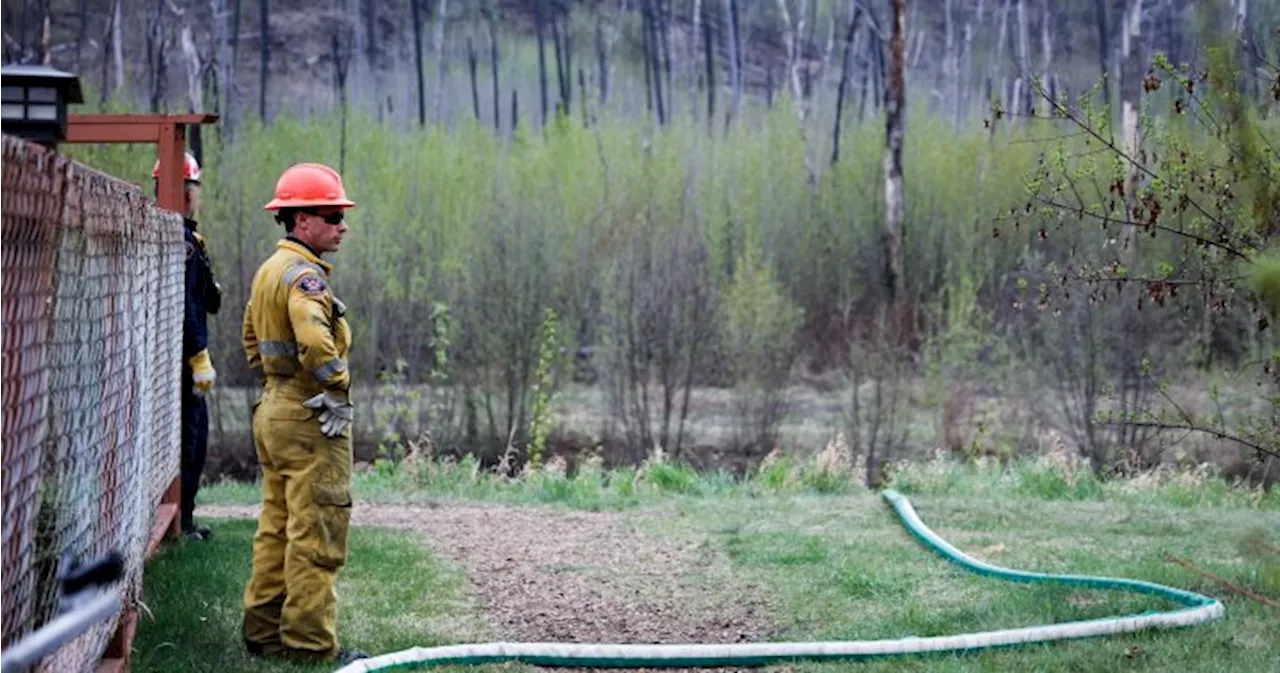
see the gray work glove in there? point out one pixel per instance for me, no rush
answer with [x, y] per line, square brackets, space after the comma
[336, 414]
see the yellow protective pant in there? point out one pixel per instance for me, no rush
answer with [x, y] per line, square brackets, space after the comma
[290, 603]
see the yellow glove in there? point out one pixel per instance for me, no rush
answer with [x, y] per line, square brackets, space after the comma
[202, 373]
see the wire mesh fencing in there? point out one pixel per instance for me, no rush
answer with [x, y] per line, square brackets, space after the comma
[92, 336]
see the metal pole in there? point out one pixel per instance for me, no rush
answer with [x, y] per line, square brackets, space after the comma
[59, 632]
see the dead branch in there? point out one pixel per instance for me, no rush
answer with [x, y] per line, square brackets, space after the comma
[1233, 587]
[1247, 443]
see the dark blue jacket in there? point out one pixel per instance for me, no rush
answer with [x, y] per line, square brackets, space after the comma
[203, 297]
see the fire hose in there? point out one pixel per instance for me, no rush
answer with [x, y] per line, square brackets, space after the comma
[1196, 609]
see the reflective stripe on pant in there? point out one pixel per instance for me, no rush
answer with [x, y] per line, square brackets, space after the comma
[290, 603]
[195, 442]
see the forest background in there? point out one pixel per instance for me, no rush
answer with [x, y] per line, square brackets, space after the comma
[725, 229]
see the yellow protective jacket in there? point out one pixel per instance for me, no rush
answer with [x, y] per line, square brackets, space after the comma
[295, 329]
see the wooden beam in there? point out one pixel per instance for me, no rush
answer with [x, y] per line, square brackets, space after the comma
[166, 524]
[167, 131]
[173, 145]
[93, 128]
[117, 657]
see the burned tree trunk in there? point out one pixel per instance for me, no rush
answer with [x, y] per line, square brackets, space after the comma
[695, 34]
[895, 106]
[602, 57]
[560, 40]
[22, 35]
[791, 73]
[82, 16]
[472, 62]
[416, 7]
[1046, 44]
[442, 15]
[515, 110]
[46, 38]
[157, 56]
[708, 42]
[493, 68]
[1002, 33]
[582, 97]
[475, 86]
[566, 48]
[557, 52]
[870, 61]
[663, 29]
[653, 48]
[371, 35]
[1131, 79]
[115, 40]
[226, 68]
[648, 68]
[1104, 51]
[195, 89]
[1023, 93]
[948, 87]
[844, 82]
[341, 55]
[966, 65]
[229, 86]
[735, 61]
[810, 21]
[264, 24]
[542, 55]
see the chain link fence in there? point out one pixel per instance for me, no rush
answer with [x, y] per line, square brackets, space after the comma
[92, 337]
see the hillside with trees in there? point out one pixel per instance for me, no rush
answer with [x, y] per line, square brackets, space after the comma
[733, 228]
[260, 58]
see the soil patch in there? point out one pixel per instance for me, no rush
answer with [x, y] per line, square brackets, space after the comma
[547, 575]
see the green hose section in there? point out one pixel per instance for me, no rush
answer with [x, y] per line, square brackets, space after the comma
[1197, 609]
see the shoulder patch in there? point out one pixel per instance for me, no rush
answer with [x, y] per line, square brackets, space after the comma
[312, 284]
[191, 248]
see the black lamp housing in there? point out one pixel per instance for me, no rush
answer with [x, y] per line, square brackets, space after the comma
[35, 99]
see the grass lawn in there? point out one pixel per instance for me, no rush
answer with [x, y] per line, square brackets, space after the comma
[844, 569]
[834, 566]
[397, 596]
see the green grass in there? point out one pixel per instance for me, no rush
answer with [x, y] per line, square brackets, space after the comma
[396, 595]
[843, 568]
[833, 561]
[828, 472]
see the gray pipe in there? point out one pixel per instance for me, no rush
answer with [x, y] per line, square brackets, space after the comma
[62, 630]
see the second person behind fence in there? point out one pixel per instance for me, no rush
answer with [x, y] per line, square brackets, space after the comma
[203, 298]
[295, 333]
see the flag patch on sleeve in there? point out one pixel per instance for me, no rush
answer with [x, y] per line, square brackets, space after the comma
[312, 284]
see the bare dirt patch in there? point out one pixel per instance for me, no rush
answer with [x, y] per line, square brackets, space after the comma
[547, 575]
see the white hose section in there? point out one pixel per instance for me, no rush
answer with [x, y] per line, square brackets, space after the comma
[1203, 609]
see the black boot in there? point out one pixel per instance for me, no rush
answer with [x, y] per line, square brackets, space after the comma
[347, 655]
[196, 532]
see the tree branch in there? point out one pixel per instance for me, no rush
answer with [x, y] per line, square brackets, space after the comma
[1142, 168]
[1220, 434]
[1233, 587]
[1177, 232]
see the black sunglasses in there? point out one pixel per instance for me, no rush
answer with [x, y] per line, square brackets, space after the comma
[331, 218]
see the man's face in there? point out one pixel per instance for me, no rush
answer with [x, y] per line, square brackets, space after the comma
[192, 200]
[321, 228]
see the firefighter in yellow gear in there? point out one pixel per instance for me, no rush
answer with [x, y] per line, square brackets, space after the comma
[295, 333]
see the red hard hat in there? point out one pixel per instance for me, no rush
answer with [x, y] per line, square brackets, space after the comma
[308, 184]
[190, 169]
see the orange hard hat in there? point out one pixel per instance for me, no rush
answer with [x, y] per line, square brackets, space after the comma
[190, 169]
[307, 184]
